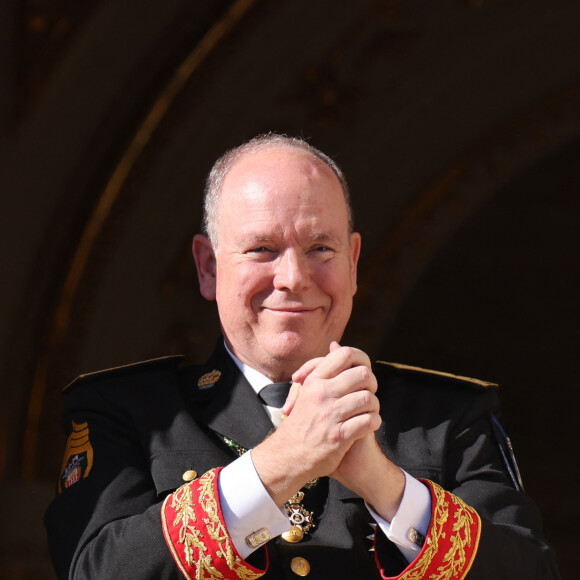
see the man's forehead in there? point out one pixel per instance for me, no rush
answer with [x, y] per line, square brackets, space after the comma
[273, 156]
[284, 177]
[253, 223]
[280, 188]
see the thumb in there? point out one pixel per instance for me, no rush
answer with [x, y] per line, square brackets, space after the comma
[291, 399]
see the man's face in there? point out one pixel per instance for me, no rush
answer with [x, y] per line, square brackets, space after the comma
[285, 269]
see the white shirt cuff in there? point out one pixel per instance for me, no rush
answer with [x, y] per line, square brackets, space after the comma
[246, 505]
[414, 512]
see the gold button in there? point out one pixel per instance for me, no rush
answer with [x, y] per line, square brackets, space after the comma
[189, 475]
[300, 566]
[293, 535]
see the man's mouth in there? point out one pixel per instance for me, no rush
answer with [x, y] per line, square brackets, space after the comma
[291, 309]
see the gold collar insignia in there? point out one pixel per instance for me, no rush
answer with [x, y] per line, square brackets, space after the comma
[209, 379]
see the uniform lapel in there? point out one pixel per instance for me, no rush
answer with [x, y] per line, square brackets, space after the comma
[230, 407]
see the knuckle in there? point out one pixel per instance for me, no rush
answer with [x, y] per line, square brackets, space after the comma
[365, 374]
[341, 356]
[374, 421]
[349, 354]
[317, 397]
[367, 398]
[367, 378]
[369, 420]
[340, 435]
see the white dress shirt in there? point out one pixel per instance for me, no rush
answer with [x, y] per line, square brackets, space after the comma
[247, 506]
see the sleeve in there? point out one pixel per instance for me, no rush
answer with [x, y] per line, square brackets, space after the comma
[194, 529]
[481, 526]
[411, 520]
[246, 505]
[451, 543]
[108, 519]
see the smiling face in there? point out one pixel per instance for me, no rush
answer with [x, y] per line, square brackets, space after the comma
[284, 272]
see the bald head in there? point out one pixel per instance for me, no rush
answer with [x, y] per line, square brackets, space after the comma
[224, 164]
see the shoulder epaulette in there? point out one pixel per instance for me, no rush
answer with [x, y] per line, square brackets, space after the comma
[155, 363]
[419, 370]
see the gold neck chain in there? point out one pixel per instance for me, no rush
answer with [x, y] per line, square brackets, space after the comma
[302, 520]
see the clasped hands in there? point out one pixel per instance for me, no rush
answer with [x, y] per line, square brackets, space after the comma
[332, 414]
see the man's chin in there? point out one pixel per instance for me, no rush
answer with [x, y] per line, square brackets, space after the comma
[294, 349]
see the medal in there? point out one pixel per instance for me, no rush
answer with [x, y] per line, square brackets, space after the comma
[301, 519]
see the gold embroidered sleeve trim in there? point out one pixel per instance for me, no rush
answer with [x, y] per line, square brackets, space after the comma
[197, 536]
[452, 540]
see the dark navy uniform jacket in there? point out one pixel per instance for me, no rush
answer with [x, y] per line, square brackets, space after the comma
[134, 431]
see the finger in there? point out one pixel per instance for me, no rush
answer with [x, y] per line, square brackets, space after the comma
[359, 378]
[291, 399]
[333, 346]
[300, 375]
[340, 359]
[355, 404]
[360, 426]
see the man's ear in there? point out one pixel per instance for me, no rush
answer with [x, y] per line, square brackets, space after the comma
[206, 266]
[355, 245]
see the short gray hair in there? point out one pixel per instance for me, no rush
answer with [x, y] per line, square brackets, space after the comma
[222, 166]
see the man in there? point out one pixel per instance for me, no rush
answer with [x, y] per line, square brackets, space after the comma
[173, 472]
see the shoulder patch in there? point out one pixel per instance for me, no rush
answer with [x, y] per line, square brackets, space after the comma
[420, 370]
[78, 457]
[155, 363]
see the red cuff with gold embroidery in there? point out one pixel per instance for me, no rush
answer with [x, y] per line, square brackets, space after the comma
[194, 529]
[451, 543]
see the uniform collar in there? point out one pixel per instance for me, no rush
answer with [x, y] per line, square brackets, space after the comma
[230, 407]
[255, 378]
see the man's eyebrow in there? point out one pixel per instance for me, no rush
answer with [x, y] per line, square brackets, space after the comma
[253, 238]
[265, 238]
[324, 237]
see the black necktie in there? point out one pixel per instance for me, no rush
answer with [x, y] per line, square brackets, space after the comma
[274, 395]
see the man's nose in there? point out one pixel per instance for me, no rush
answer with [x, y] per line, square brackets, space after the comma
[292, 271]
